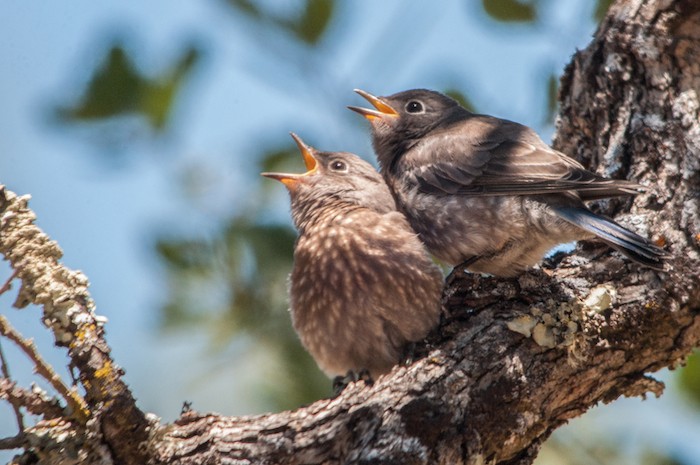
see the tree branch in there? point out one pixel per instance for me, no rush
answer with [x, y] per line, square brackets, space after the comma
[36, 401]
[75, 402]
[4, 368]
[513, 359]
[68, 311]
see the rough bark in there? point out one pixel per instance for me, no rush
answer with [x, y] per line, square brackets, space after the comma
[513, 358]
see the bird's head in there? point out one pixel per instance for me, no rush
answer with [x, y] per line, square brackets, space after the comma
[333, 181]
[399, 120]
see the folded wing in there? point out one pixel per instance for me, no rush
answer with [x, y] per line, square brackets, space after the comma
[488, 156]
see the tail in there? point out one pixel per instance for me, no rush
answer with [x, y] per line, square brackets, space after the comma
[632, 245]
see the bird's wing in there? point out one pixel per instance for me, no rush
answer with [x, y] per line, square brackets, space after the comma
[487, 156]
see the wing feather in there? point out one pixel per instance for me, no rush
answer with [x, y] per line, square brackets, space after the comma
[483, 155]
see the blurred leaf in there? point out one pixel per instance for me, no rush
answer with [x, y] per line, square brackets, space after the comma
[552, 102]
[174, 315]
[246, 262]
[461, 98]
[309, 26]
[159, 98]
[114, 88]
[117, 88]
[300, 381]
[279, 160]
[510, 10]
[314, 21]
[271, 244]
[601, 8]
[186, 255]
[689, 378]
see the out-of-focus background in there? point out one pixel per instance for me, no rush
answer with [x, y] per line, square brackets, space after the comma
[140, 129]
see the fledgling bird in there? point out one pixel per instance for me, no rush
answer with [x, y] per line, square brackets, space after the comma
[362, 286]
[488, 192]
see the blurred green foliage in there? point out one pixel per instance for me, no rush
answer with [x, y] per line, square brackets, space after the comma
[277, 160]
[118, 88]
[570, 450]
[511, 10]
[689, 378]
[461, 98]
[307, 26]
[601, 8]
[525, 11]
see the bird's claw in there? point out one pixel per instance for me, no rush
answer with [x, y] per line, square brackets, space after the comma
[341, 382]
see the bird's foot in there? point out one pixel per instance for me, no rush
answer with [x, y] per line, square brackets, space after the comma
[408, 355]
[341, 382]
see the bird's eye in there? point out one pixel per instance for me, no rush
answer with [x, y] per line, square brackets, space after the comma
[414, 106]
[338, 165]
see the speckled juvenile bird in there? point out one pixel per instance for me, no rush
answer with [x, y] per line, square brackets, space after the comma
[488, 192]
[362, 286]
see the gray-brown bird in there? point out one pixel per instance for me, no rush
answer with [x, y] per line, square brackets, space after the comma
[488, 192]
[362, 286]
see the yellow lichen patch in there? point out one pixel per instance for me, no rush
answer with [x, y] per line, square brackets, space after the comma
[87, 384]
[104, 371]
[104, 378]
[81, 410]
[52, 422]
[83, 332]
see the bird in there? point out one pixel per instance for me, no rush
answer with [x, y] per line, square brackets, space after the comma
[487, 193]
[363, 288]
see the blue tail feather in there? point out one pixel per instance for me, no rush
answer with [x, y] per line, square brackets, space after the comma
[628, 243]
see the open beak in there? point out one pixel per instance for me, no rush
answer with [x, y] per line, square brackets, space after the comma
[383, 109]
[291, 179]
[307, 152]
